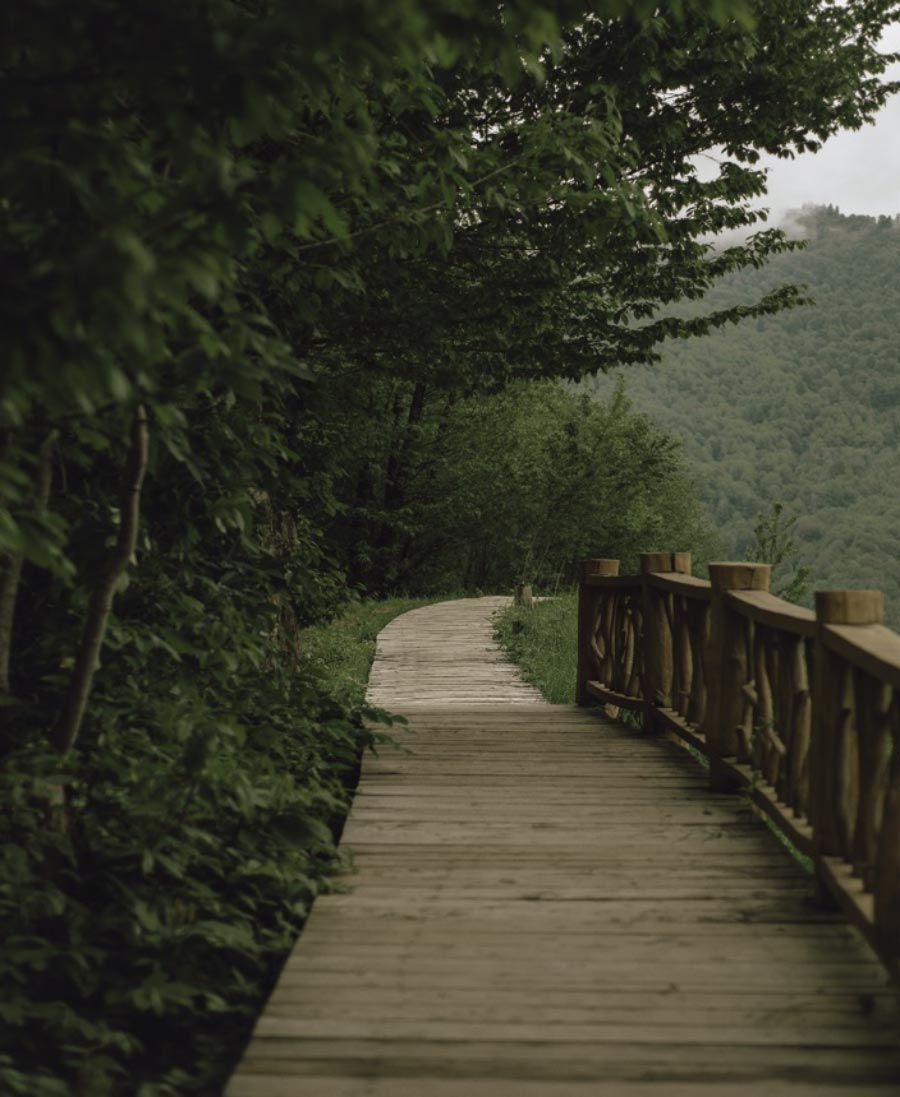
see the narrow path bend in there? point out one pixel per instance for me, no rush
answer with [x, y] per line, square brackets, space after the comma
[546, 904]
[445, 654]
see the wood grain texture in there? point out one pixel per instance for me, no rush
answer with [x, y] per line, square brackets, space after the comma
[687, 585]
[773, 612]
[547, 904]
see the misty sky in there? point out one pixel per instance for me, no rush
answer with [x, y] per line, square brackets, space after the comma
[857, 171]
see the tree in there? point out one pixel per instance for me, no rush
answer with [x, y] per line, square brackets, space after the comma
[776, 544]
[521, 485]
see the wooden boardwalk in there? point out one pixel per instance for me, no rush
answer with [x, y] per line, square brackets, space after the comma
[548, 905]
[445, 655]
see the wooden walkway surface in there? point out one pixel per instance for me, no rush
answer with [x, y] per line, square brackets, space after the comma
[546, 904]
[445, 655]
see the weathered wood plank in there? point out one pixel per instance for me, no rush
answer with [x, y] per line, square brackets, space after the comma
[767, 609]
[555, 1061]
[610, 697]
[268, 1085]
[677, 583]
[750, 1033]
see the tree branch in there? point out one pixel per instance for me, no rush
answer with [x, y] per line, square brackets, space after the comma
[408, 215]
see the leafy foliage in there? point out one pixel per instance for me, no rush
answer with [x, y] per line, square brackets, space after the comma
[162, 891]
[527, 483]
[775, 544]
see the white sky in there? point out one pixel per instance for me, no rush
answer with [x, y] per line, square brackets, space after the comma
[859, 171]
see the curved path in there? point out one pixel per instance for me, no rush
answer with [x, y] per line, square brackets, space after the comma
[547, 904]
[445, 654]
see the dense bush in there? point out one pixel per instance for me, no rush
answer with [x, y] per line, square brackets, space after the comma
[151, 878]
[151, 883]
[531, 481]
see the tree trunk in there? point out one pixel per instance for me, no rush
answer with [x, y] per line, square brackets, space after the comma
[101, 599]
[394, 496]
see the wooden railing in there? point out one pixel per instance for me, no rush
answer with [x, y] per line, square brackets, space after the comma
[800, 710]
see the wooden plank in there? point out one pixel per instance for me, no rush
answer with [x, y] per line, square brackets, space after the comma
[794, 827]
[805, 953]
[873, 648]
[706, 1005]
[601, 1032]
[767, 609]
[614, 582]
[676, 583]
[672, 721]
[847, 890]
[667, 1021]
[646, 913]
[553, 1061]
[269, 1085]
[609, 696]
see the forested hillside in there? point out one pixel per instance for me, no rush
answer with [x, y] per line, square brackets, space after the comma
[802, 407]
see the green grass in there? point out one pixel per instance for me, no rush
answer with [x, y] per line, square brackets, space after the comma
[340, 653]
[542, 640]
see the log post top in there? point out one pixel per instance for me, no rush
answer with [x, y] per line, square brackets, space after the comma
[739, 575]
[666, 562]
[849, 607]
[599, 567]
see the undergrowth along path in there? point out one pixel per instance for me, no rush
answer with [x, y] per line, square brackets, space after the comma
[548, 904]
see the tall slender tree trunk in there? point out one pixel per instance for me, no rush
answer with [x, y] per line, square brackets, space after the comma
[101, 599]
[411, 551]
[395, 483]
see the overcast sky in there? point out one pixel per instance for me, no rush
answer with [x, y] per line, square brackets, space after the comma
[857, 171]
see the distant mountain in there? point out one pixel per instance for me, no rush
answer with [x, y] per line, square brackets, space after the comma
[804, 407]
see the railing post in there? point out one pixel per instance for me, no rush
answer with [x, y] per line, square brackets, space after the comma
[886, 883]
[727, 666]
[587, 601]
[658, 663]
[833, 759]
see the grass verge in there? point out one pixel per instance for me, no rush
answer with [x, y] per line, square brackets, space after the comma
[542, 640]
[340, 653]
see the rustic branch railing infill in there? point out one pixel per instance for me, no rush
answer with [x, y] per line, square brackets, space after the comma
[798, 709]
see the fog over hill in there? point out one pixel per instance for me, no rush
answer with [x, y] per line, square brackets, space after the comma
[803, 407]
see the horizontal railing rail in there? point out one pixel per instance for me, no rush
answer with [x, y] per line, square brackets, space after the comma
[800, 710]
